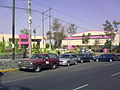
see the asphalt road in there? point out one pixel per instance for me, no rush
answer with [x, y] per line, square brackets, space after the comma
[87, 76]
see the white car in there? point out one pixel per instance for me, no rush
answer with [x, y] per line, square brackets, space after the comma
[68, 59]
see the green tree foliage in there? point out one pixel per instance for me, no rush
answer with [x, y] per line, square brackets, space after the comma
[85, 38]
[49, 37]
[108, 44]
[71, 29]
[58, 33]
[24, 31]
[96, 45]
[110, 29]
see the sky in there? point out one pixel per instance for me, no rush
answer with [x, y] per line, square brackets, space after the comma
[85, 14]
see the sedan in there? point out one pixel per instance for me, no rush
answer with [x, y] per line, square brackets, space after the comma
[107, 57]
[68, 59]
[85, 57]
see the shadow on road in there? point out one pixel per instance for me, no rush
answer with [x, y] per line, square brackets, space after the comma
[10, 87]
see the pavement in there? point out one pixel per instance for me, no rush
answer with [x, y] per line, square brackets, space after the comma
[86, 76]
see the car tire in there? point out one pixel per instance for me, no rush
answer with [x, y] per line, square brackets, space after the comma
[81, 61]
[110, 60]
[54, 66]
[75, 63]
[68, 64]
[91, 60]
[37, 68]
[97, 60]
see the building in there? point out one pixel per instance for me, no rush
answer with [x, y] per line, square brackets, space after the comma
[76, 39]
[35, 39]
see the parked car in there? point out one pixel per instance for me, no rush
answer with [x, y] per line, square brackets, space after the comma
[39, 61]
[107, 57]
[68, 59]
[85, 57]
[118, 57]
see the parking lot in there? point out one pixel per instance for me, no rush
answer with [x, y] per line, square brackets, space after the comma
[83, 76]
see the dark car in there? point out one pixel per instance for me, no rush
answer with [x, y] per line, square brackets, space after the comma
[107, 57]
[39, 61]
[85, 57]
[118, 57]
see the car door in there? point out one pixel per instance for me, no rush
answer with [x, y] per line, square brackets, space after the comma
[73, 59]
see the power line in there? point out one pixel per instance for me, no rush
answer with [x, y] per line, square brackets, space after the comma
[44, 14]
[66, 14]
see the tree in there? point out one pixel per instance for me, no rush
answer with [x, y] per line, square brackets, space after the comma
[58, 33]
[110, 29]
[96, 45]
[85, 38]
[24, 31]
[49, 36]
[71, 29]
[108, 44]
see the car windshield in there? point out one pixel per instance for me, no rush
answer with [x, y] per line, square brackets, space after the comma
[64, 56]
[35, 56]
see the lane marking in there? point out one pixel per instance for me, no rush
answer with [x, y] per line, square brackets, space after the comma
[115, 74]
[19, 79]
[81, 87]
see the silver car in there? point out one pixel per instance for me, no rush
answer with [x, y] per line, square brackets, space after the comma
[68, 59]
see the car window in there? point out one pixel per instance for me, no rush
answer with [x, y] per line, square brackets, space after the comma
[36, 56]
[64, 56]
[53, 56]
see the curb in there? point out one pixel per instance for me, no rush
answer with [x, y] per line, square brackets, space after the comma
[8, 70]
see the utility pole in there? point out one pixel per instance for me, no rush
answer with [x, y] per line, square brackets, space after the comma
[13, 29]
[43, 27]
[50, 27]
[29, 25]
[43, 12]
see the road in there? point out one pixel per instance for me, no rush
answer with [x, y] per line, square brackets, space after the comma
[86, 76]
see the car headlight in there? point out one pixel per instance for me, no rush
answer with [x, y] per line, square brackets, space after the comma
[31, 63]
[65, 61]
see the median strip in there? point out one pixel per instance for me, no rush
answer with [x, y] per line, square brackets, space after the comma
[81, 87]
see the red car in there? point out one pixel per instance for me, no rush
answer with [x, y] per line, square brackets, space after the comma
[39, 61]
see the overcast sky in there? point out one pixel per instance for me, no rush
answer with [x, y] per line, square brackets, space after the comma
[86, 14]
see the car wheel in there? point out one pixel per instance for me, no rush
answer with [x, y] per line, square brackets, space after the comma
[81, 61]
[68, 64]
[75, 62]
[97, 60]
[37, 68]
[54, 66]
[91, 60]
[110, 60]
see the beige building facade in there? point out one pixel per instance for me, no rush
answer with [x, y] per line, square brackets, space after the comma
[35, 39]
[76, 39]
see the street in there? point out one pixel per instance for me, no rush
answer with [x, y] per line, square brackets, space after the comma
[86, 76]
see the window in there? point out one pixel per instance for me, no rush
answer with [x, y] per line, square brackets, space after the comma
[53, 56]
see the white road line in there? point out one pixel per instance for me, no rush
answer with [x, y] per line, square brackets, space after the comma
[115, 74]
[19, 79]
[81, 87]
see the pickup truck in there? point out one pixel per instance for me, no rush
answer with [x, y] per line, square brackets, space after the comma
[39, 61]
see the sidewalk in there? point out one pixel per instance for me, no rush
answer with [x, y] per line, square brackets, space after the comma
[7, 65]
